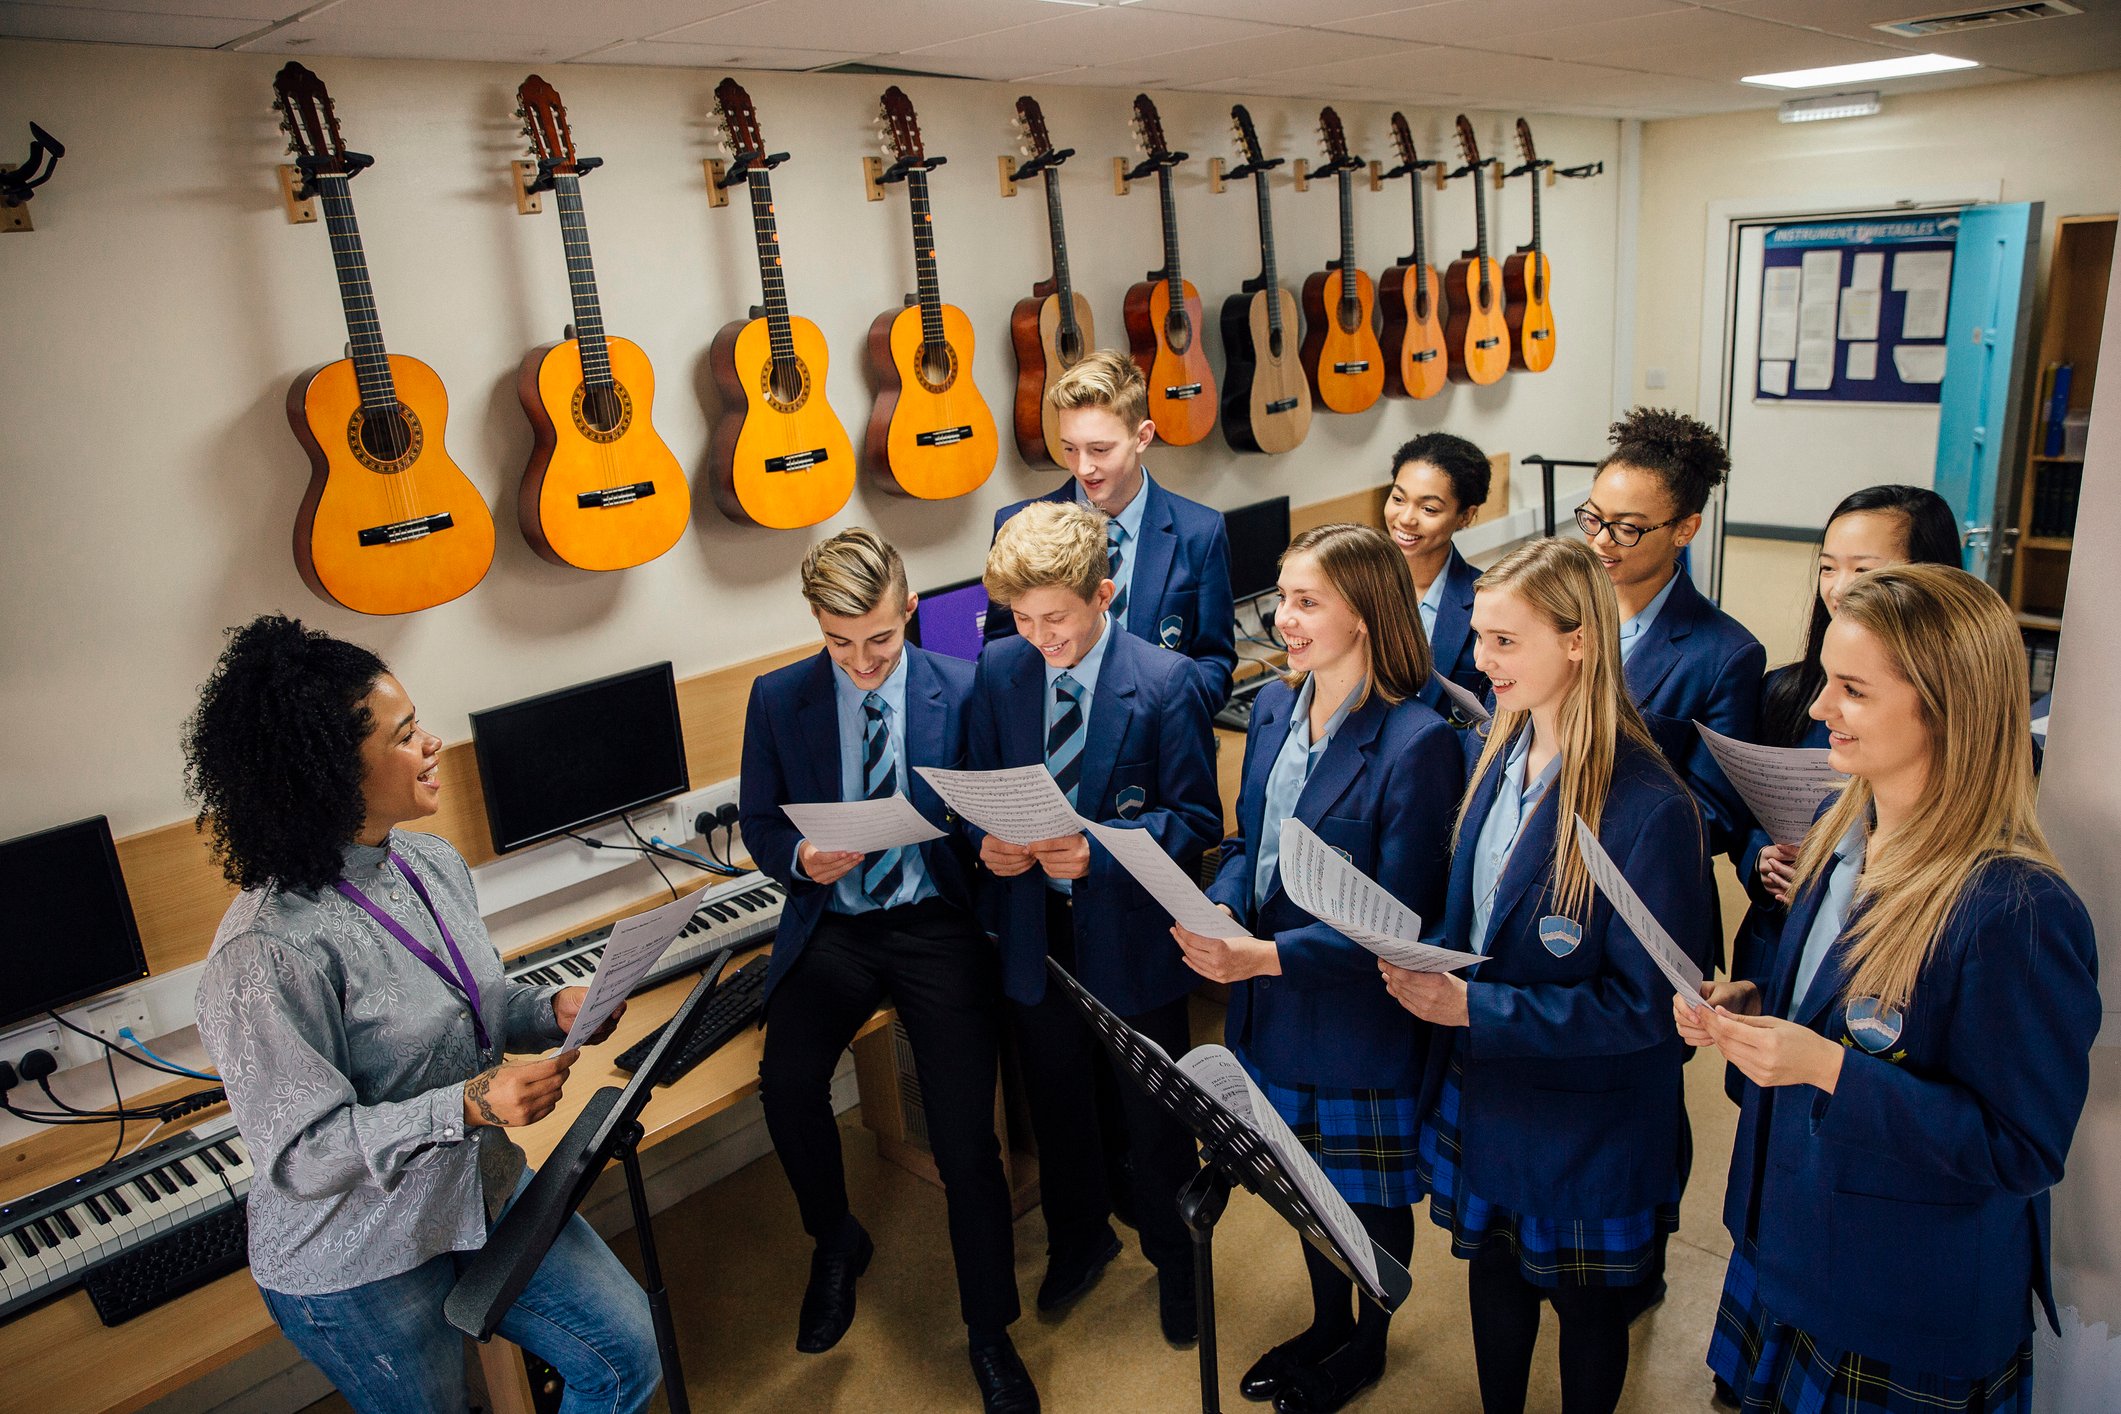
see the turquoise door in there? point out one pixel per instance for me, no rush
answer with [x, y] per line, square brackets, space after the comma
[1987, 342]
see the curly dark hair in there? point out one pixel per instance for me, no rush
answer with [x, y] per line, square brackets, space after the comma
[1465, 464]
[1686, 454]
[273, 753]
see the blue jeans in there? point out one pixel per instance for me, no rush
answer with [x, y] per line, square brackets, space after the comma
[386, 1347]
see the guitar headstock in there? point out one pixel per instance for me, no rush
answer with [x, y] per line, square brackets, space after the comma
[1467, 143]
[545, 124]
[309, 120]
[1524, 143]
[1246, 136]
[1334, 139]
[902, 126]
[1149, 130]
[1031, 124]
[739, 120]
[1403, 139]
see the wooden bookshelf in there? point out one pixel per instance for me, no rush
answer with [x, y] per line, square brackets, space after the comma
[2074, 310]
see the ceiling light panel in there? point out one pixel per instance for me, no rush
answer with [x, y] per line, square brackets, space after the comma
[1869, 71]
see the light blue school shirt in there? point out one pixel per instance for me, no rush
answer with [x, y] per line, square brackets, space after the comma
[1085, 676]
[1514, 803]
[1632, 631]
[1129, 521]
[1291, 772]
[914, 885]
[1833, 911]
[1432, 601]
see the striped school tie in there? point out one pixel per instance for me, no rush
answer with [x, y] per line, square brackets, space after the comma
[1064, 738]
[1115, 543]
[885, 870]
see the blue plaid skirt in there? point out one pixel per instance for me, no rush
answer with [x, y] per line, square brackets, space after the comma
[1778, 1369]
[1551, 1252]
[1363, 1139]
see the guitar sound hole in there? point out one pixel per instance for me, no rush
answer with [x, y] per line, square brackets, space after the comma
[785, 383]
[1350, 315]
[1178, 331]
[602, 409]
[1274, 344]
[1070, 344]
[385, 438]
[938, 367]
[384, 441]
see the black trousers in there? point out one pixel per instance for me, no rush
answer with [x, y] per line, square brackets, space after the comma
[942, 974]
[1059, 1055]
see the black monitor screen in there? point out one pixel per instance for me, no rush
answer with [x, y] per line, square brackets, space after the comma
[70, 932]
[569, 758]
[1258, 534]
[951, 620]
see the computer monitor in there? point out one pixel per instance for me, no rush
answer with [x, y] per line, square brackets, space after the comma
[1258, 535]
[951, 619]
[566, 759]
[70, 930]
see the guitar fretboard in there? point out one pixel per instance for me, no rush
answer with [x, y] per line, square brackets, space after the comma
[1421, 245]
[1480, 243]
[1346, 181]
[1063, 287]
[779, 337]
[1269, 278]
[582, 282]
[363, 332]
[929, 281]
[1173, 281]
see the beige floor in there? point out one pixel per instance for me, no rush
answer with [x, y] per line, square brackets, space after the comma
[736, 1259]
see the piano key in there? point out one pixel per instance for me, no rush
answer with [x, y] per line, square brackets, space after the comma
[23, 1244]
[146, 1189]
[116, 1198]
[164, 1180]
[228, 1155]
[47, 1239]
[206, 1156]
[184, 1173]
[97, 1211]
[66, 1223]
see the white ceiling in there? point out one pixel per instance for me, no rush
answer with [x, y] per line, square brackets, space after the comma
[1621, 58]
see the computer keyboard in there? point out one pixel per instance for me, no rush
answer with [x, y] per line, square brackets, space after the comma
[736, 1003]
[1236, 714]
[165, 1267]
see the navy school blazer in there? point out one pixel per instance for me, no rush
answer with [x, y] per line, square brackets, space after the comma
[1383, 793]
[1697, 663]
[1179, 597]
[792, 756]
[1148, 763]
[1452, 644]
[1905, 1216]
[1571, 1087]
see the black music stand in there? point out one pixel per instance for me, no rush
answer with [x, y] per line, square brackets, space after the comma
[608, 1127]
[1231, 1154]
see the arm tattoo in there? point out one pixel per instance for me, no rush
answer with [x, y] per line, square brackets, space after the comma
[475, 1091]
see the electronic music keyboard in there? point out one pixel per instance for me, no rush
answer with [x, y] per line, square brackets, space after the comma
[741, 913]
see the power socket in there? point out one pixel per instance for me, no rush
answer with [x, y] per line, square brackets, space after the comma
[106, 1020]
[41, 1037]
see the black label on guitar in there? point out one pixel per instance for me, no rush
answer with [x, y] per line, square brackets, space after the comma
[398, 532]
[1282, 405]
[1182, 391]
[799, 461]
[942, 437]
[1423, 357]
[614, 496]
[1358, 366]
[1486, 343]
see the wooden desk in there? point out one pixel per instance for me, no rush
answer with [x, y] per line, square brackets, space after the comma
[61, 1359]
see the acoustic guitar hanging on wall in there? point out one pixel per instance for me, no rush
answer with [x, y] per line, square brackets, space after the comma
[1341, 354]
[602, 491]
[1050, 329]
[1165, 330]
[1412, 294]
[1478, 335]
[1528, 277]
[389, 525]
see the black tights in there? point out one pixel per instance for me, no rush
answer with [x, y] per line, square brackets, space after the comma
[1505, 1309]
[1333, 1321]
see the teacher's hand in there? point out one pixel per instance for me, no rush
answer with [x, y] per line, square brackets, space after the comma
[511, 1095]
[567, 1004]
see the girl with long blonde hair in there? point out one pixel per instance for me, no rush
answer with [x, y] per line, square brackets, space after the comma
[1550, 1146]
[1919, 1052]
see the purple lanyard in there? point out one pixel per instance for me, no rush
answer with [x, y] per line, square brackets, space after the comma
[461, 979]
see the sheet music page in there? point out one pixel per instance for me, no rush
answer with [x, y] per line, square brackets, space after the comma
[1472, 707]
[1677, 967]
[862, 826]
[1140, 855]
[1335, 892]
[1017, 804]
[1781, 785]
[1218, 1072]
[635, 945]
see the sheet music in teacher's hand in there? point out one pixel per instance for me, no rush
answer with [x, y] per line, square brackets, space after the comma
[1671, 960]
[1017, 804]
[631, 951]
[1330, 889]
[1172, 887]
[1781, 785]
[861, 826]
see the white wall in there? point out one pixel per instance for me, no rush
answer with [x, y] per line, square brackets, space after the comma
[149, 482]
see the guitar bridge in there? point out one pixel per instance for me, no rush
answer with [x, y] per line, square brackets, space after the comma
[614, 496]
[1486, 343]
[1282, 405]
[1179, 392]
[402, 531]
[799, 461]
[941, 437]
[1357, 366]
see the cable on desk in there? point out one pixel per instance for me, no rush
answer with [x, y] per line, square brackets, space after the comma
[125, 1033]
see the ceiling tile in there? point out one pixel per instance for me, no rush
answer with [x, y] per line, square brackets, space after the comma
[1267, 55]
[603, 20]
[260, 12]
[1495, 23]
[1096, 36]
[1306, 12]
[369, 41]
[663, 54]
[1701, 43]
[120, 26]
[2067, 44]
[879, 26]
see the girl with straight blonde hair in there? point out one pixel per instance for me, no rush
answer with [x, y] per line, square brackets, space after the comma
[1342, 745]
[1919, 1053]
[1550, 1143]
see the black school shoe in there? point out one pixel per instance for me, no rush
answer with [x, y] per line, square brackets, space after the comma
[1330, 1384]
[1004, 1384]
[828, 1302]
[1285, 1363]
[1067, 1279]
[1176, 1309]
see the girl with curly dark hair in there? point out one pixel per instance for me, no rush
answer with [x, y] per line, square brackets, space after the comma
[359, 1015]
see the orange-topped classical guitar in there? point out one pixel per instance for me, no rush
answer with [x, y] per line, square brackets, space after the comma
[1478, 335]
[1163, 310]
[779, 457]
[1341, 355]
[389, 524]
[1050, 329]
[1528, 278]
[930, 433]
[602, 491]
[1412, 294]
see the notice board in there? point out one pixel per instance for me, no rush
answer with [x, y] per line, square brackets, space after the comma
[1853, 311]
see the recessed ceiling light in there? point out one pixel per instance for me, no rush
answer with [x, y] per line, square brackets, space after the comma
[1869, 72]
[1828, 105]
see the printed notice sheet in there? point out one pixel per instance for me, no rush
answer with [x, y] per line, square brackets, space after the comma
[1018, 804]
[1925, 277]
[862, 826]
[1332, 890]
[1141, 856]
[1677, 967]
[633, 949]
[1781, 785]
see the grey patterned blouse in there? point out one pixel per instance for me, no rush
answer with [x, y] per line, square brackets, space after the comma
[345, 1059]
